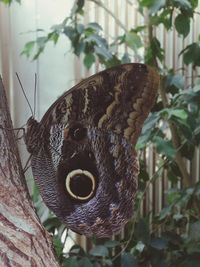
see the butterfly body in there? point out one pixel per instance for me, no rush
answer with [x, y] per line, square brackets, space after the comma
[83, 156]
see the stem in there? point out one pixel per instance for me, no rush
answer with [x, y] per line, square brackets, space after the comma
[176, 143]
[174, 133]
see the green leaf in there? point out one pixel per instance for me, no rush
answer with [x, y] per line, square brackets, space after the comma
[41, 43]
[190, 263]
[77, 250]
[154, 51]
[127, 260]
[164, 147]
[70, 262]
[156, 6]
[150, 122]
[95, 26]
[78, 7]
[158, 243]
[147, 130]
[125, 58]
[51, 223]
[80, 3]
[165, 18]
[98, 40]
[142, 231]
[80, 28]
[79, 47]
[172, 177]
[108, 263]
[133, 40]
[114, 61]
[85, 262]
[176, 80]
[179, 113]
[191, 54]
[28, 48]
[161, 264]
[185, 4]
[70, 32]
[8, 2]
[197, 130]
[143, 140]
[57, 28]
[195, 231]
[194, 3]
[111, 243]
[165, 212]
[153, 5]
[103, 51]
[99, 251]
[182, 24]
[188, 148]
[58, 246]
[172, 195]
[192, 247]
[143, 175]
[89, 59]
[54, 36]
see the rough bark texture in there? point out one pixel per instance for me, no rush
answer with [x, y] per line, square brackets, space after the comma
[23, 240]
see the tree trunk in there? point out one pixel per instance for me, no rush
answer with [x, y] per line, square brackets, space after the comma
[23, 240]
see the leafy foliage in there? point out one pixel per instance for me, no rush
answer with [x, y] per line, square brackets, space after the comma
[8, 2]
[171, 237]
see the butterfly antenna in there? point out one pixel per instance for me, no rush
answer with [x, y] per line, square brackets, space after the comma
[24, 94]
[35, 95]
[27, 165]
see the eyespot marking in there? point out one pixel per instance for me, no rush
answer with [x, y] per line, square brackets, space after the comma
[77, 132]
[80, 184]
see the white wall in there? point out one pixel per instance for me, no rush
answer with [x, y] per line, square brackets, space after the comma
[55, 67]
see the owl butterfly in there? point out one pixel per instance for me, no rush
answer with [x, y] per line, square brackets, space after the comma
[83, 156]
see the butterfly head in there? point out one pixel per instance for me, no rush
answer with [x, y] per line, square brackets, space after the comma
[32, 135]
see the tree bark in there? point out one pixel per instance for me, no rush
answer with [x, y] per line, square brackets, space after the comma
[23, 240]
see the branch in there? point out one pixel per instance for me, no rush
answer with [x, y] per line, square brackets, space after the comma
[23, 240]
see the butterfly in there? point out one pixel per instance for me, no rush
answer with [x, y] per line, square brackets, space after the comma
[83, 150]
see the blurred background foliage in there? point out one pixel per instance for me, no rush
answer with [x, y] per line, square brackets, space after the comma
[172, 236]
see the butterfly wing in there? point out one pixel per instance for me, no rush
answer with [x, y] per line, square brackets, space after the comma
[117, 99]
[83, 156]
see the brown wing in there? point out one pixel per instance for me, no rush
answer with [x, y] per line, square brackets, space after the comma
[117, 99]
[82, 136]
